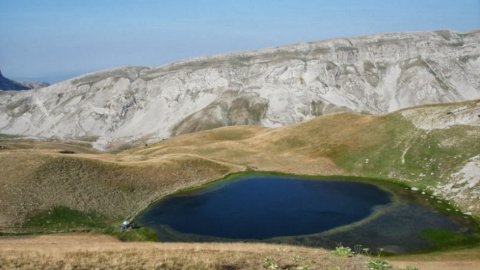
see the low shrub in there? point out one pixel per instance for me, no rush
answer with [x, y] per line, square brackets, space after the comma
[378, 264]
[342, 251]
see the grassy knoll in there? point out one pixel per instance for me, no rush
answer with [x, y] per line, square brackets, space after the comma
[45, 191]
[34, 181]
[36, 176]
[389, 146]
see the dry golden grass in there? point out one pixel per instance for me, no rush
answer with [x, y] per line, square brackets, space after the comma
[38, 179]
[36, 176]
[464, 259]
[102, 252]
[91, 251]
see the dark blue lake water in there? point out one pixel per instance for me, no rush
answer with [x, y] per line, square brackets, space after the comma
[258, 207]
[302, 211]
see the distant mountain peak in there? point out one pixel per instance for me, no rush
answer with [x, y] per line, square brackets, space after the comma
[7, 84]
[11, 85]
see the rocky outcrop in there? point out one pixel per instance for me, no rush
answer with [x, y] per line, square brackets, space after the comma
[269, 87]
[35, 84]
[229, 109]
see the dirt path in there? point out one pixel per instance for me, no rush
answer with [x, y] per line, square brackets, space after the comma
[82, 242]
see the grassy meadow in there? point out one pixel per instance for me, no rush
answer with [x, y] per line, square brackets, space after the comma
[53, 186]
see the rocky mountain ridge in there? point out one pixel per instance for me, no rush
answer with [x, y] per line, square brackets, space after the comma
[35, 84]
[269, 87]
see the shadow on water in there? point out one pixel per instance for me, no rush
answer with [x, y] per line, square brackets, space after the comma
[304, 211]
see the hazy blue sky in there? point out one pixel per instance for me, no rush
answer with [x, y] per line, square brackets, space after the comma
[55, 39]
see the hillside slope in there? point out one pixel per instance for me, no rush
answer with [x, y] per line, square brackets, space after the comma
[270, 87]
[436, 148]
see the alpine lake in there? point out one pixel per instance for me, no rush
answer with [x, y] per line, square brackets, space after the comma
[365, 214]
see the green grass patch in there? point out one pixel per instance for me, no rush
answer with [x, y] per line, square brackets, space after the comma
[444, 238]
[64, 219]
[393, 148]
[140, 234]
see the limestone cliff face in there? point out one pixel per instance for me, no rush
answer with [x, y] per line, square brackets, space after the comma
[269, 87]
